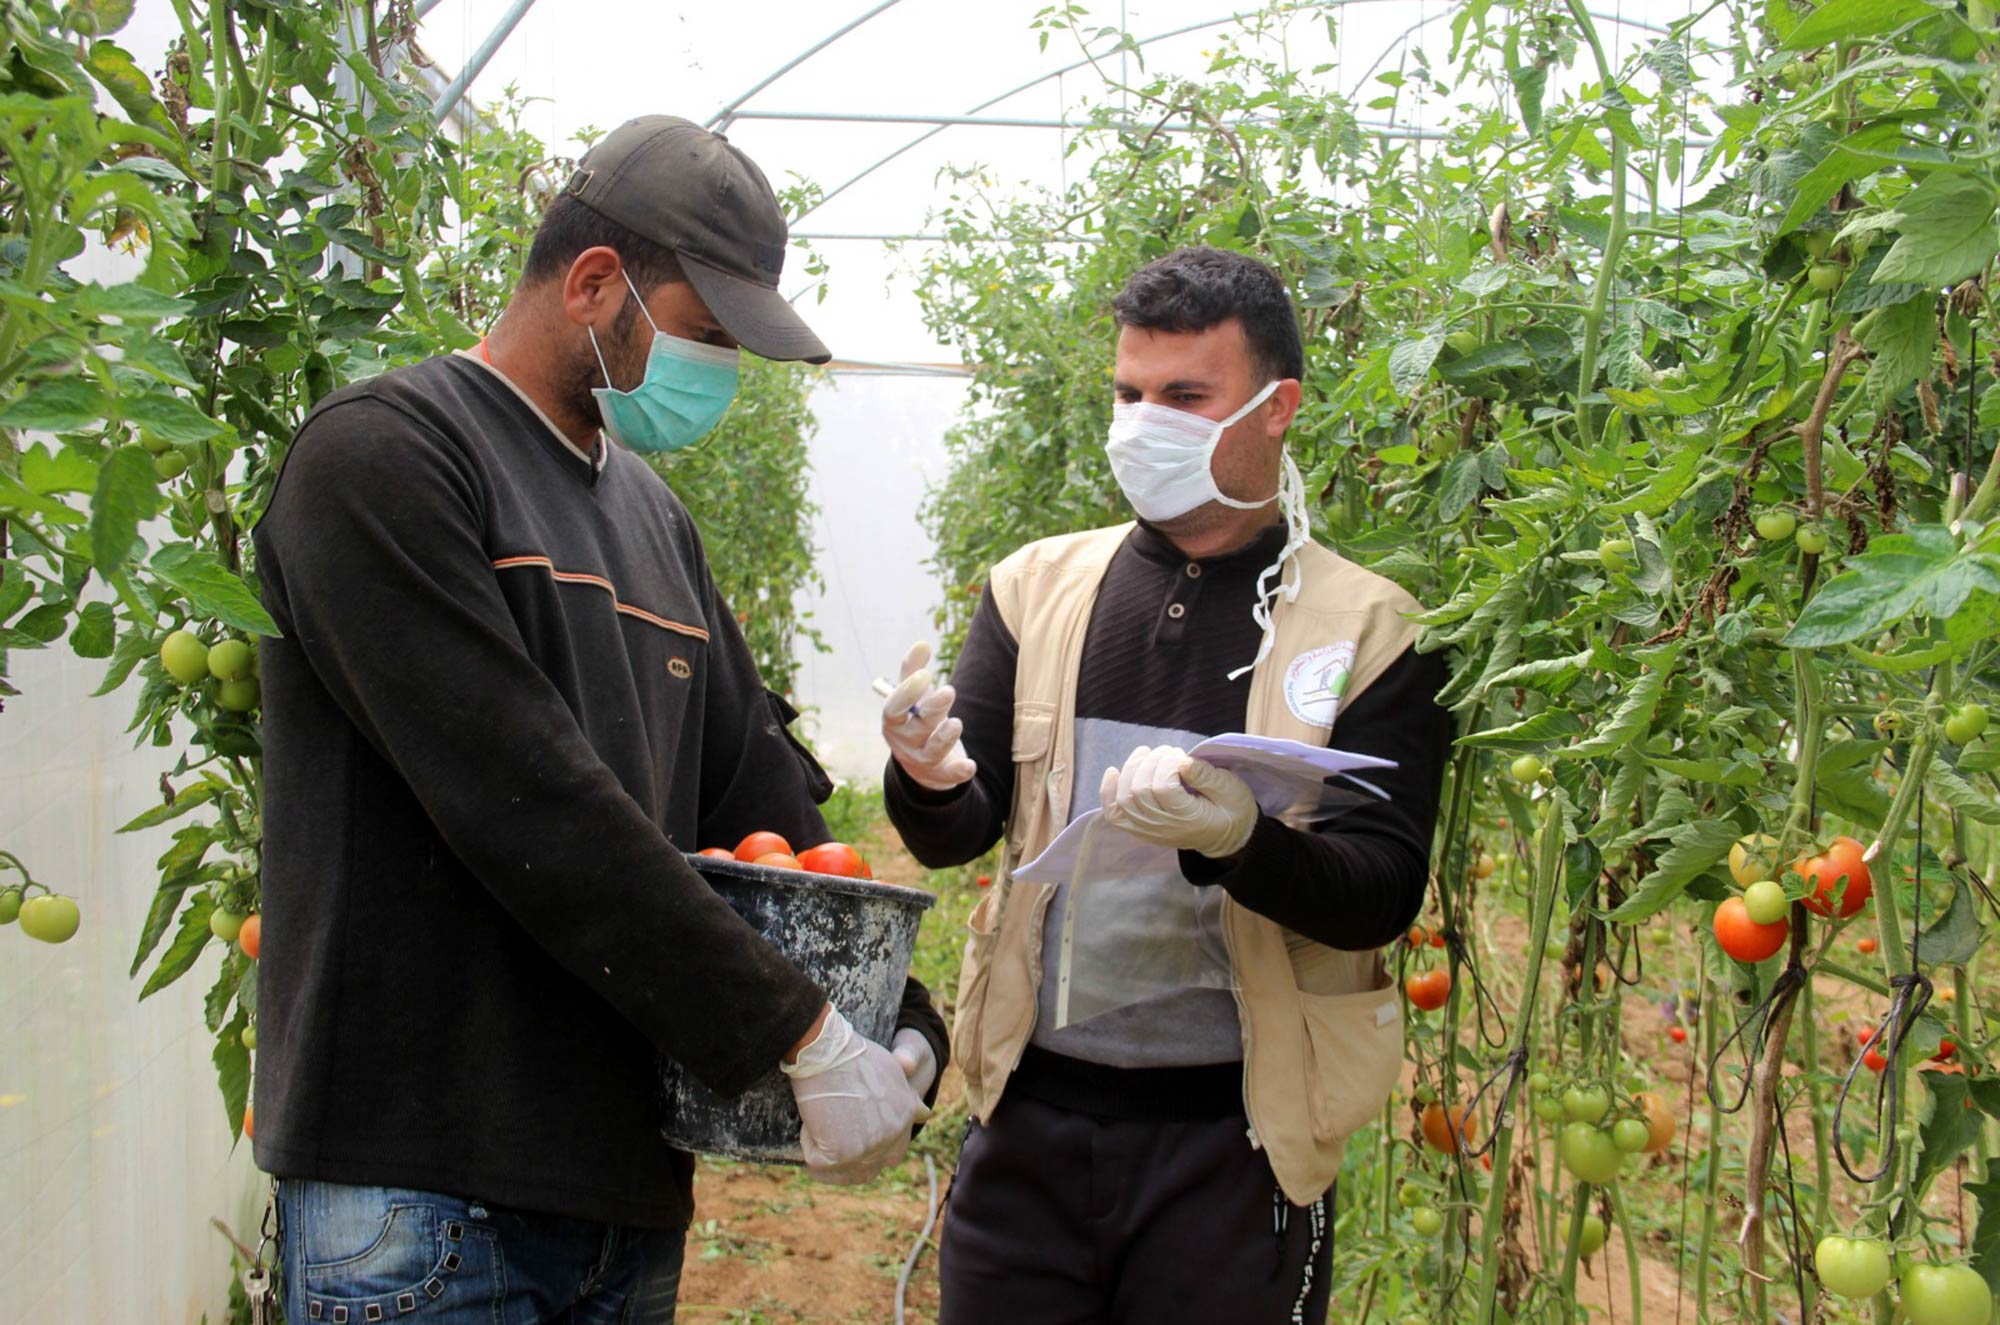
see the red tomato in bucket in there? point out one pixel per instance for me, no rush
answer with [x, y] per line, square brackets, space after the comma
[836, 858]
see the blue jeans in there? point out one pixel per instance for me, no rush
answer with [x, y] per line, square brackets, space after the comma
[354, 1255]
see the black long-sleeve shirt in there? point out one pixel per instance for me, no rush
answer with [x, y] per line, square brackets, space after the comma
[1164, 633]
[507, 697]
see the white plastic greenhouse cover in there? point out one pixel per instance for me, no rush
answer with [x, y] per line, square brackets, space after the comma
[112, 1151]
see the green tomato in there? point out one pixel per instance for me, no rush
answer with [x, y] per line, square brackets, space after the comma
[1549, 1109]
[1766, 902]
[1612, 553]
[10, 905]
[1810, 540]
[1429, 1222]
[1887, 723]
[1976, 715]
[225, 924]
[1591, 1240]
[1426, 1094]
[1851, 1267]
[1585, 1104]
[1946, 1295]
[1967, 725]
[239, 696]
[1462, 342]
[184, 657]
[1775, 525]
[1589, 1154]
[1410, 1196]
[1824, 277]
[250, 1036]
[153, 442]
[50, 918]
[229, 660]
[1526, 769]
[170, 464]
[1815, 242]
[1630, 1135]
[1553, 950]
[1538, 1082]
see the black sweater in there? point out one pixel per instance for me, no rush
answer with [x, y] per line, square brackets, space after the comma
[1162, 639]
[507, 697]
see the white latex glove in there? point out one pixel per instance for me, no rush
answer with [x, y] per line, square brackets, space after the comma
[1165, 795]
[922, 734]
[913, 1051]
[856, 1107]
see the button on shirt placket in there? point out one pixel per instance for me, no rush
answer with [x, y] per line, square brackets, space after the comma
[1181, 598]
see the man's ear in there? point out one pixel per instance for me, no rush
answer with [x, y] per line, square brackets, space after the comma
[1284, 407]
[594, 289]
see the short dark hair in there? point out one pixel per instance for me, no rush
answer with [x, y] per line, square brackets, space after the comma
[1194, 289]
[570, 226]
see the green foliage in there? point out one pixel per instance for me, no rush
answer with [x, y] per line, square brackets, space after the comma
[1559, 359]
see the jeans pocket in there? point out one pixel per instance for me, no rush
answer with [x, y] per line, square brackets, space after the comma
[364, 1254]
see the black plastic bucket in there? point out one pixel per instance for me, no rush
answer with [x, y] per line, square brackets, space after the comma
[853, 937]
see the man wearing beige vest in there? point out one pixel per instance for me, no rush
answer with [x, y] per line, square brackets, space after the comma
[1163, 1069]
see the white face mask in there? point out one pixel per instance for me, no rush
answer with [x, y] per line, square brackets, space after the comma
[1162, 458]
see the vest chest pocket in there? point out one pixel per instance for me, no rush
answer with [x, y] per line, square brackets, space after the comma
[1034, 734]
[1354, 1045]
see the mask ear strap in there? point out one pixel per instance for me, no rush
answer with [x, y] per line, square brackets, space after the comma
[602, 367]
[1255, 401]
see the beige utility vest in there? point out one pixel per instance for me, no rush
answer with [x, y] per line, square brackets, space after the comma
[1322, 1028]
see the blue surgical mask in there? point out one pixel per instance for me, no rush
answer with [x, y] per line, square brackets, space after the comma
[686, 389]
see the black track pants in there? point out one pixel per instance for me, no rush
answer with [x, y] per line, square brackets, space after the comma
[1061, 1218]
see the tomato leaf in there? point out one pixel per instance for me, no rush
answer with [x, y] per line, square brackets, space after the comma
[215, 1006]
[57, 406]
[1961, 795]
[1900, 574]
[1410, 361]
[1986, 1234]
[1948, 1123]
[1697, 848]
[1536, 733]
[1947, 235]
[62, 471]
[1848, 20]
[232, 1071]
[128, 494]
[158, 917]
[96, 631]
[1954, 937]
[214, 590]
[188, 798]
[170, 417]
[1634, 714]
[132, 648]
[1901, 339]
[192, 936]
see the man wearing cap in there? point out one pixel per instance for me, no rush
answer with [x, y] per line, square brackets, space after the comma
[1164, 1057]
[507, 697]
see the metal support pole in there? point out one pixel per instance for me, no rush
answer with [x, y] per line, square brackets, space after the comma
[1007, 122]
[721, 119]
[477, 64]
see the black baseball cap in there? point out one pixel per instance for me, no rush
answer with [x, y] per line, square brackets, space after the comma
[687, 189]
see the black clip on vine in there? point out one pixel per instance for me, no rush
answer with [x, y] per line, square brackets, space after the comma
[1482, 998]
[1910, 995]
[1514, 1066]
[1788, 979]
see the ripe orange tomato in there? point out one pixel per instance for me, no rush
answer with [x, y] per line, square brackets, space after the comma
[1842, 857]
[250, 938]
[1449, 1134]
[1947, 1050]
[778, 860]
[1417, 937]
[1659, 1120]
[1429, 990]
[1865, 946]
[1678, 1034]
[720, 853]
[836, 858]
[984, 881]
[1743, 938]
[250, 1122]
[1437, 938]
[1875, 1061]
[761, 844]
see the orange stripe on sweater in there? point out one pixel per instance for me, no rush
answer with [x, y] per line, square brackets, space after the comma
[599, 582]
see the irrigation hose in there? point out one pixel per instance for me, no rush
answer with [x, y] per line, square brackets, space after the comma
[930, 1222]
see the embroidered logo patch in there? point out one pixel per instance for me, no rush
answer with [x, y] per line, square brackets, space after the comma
[1316, 680]
[679, 667]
